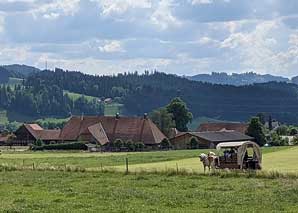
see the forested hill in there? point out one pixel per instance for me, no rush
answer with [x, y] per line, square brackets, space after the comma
[143, 93]
[237, 79]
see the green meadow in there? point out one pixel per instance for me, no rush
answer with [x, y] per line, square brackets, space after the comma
[165, 181]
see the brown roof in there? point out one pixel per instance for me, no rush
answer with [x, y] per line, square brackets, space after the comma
[239, 127]
[219, 136]
[39, 133]
[49, 134]
[125, 128]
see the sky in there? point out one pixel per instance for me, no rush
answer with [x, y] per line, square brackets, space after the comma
[183, 37]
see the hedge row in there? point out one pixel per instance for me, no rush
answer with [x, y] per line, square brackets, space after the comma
[62, 146]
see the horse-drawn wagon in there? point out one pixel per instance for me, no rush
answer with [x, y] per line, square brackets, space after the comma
[238, 155]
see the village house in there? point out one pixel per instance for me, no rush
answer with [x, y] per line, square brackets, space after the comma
[102, 130]
[29, 133]
[211, 127]
[208, 139]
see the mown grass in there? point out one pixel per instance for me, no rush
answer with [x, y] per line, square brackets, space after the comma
[112, 109]
[151, 161]
[75, 96]
[44, 191]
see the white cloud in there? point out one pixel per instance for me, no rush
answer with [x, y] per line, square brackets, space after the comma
[1, 23]
[56, 8]
[110, 8]
[194, 2]
[112, 47]
[163, 17]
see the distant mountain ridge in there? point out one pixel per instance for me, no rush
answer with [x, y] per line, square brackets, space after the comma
[237, 79]
[20, 71]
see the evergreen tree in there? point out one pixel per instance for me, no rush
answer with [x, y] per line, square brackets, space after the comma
[256, 130]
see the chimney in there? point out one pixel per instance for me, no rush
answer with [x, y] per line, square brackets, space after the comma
[145, 116]
[117, 115]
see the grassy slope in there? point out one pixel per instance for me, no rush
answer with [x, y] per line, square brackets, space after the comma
[108, 192]
[3, 117]
[75, 96]
[109, 109]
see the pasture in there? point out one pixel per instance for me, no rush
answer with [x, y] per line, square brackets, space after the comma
[102, 186]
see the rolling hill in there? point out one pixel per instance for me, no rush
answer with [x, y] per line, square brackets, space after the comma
[237, 79]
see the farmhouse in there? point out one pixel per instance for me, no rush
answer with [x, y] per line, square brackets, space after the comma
[207, 139]
[29, 133]
[211, 127]
[103, 130]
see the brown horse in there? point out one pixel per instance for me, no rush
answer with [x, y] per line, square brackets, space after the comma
[208, 160]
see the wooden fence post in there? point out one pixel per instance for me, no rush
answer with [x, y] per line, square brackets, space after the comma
[177, 168]
[126, 162]
[33, 166]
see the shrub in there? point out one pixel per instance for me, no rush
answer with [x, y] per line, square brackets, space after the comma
[293, 132]
[165, 144]
[139, 146]
[38, 142]
[193, 143]
[62, 146]
[118, 144]
[130, 145]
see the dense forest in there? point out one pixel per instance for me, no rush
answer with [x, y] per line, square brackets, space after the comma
[43, 100]
[142, 93]
[42, 95]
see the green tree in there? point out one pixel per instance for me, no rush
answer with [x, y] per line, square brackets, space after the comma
[262, 117]
[118, 144]
[163, 119]
[256, 130]
[293, 131]
[193, 143]
[165, 144]
[181, 114]
[282, 130]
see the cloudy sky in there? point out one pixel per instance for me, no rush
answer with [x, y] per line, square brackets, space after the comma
[184, 37]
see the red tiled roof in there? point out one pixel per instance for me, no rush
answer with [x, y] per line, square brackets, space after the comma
[39, 133]
[125, 128]
[207, 127]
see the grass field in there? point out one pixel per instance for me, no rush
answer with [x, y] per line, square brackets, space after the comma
[75, 96]
[111, 192]
[91, 190]
[3, 117]
[112, 109]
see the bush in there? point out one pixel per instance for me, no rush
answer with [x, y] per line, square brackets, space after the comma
[62, 146]
[165, 144]
[193, 143]
[38, 142]
[130, 145]
[139, 146]
[118, 144]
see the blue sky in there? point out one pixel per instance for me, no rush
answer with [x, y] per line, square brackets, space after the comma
[183, 37]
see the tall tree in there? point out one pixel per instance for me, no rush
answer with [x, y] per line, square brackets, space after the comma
[256, 130]
[163, 119]
[181, 114]
[262, 117]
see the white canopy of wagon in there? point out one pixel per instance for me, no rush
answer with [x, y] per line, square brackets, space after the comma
[241, 147]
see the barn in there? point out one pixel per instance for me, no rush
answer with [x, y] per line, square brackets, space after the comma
[102, 130]
[230, 126]
[207, 139]
[29, 133]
